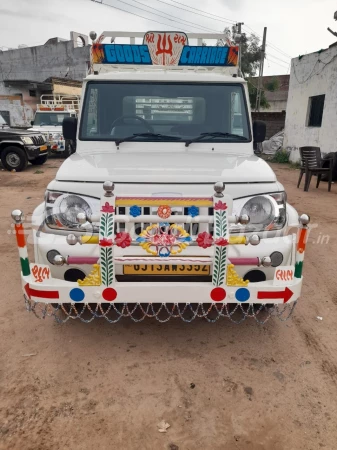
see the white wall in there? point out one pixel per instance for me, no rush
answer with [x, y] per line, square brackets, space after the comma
[313, 74]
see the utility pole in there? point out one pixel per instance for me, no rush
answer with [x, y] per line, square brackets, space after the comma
[238, 40]
[263, 55]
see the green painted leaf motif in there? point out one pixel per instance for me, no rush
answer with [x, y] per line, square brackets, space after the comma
[104, 264]
[103, 225]
[222, 266]
[109, 266]
[110, 224]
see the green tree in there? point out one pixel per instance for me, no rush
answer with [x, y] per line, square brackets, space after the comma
[250, 61]
[252, 89]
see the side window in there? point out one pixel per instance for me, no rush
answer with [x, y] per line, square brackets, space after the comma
[315, 111]
[92, 124]
[5, 118]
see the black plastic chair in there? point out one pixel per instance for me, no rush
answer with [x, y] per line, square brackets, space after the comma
[312, 164]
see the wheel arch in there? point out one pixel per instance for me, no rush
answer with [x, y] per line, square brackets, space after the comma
[5, 144]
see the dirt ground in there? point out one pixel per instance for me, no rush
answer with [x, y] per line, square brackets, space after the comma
[100, 386]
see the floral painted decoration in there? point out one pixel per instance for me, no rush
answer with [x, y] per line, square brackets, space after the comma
[164, 211]
[105, 242]
[107, 208]
[204, 239]
[123, 239]
[220, 206]
[221, 242]
[164, 239]
[135, 211]
[193, 211]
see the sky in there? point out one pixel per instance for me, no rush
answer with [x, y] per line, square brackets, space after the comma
[294, 27]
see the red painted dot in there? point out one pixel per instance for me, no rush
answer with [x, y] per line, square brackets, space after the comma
[109, 294]
[218, 294]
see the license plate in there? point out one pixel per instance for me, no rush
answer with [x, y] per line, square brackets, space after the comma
[161, 269]
[43, 147]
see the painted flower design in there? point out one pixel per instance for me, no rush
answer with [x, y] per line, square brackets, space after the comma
[193, 211]
[222, 242]
[107, 208]
[164, 239]
[164, 211]
[123, 239]
[220, 206]
[105, 242]
[135, 211]
[205, 240]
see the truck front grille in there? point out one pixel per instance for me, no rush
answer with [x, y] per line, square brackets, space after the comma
[38, 139]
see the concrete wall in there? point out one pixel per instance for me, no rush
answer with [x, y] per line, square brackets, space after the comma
[20, 113]
[37, 64]
[313, 74]
[66, 89]
[275, 106]
[60, 59]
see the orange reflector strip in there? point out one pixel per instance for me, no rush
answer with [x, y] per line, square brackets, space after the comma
[301, 241]
[20, 237]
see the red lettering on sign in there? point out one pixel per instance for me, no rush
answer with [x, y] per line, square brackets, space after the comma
[178, 39]
[284, 275]
[149, 38]
[40, 273]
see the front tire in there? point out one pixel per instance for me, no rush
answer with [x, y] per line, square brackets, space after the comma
[39, 160]
[14, 158]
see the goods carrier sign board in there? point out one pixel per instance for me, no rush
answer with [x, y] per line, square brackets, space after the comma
[164, 49]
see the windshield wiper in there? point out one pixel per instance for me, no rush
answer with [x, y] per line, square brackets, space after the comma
[214, 134]
[159, 136]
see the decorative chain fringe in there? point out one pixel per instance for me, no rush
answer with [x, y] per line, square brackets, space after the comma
[163, 312]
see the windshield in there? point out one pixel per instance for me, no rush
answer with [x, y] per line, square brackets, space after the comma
[52, 118]
[116, 111]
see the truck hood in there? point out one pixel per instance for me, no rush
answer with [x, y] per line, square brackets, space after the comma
[47, 129]
[168, 167]
[17, 131]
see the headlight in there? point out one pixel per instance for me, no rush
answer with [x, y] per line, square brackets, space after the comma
[267, 212]
[62, 210]
[27, 140]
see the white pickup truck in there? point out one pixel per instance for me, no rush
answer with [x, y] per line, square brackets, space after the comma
[164, 208]
[51, 112]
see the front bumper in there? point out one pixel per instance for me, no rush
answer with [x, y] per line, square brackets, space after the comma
[165, 242]
[57, 145]
[34, 151]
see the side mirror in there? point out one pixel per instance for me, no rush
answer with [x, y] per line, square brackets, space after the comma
[69, 127]
[32, 122]
[259, 131]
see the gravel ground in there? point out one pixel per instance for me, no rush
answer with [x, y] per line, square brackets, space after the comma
[219, 386]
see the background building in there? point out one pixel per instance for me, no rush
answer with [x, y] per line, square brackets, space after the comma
[276, 93]
[311, 117]
[26, 73]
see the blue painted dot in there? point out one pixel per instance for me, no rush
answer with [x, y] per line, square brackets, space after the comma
[242, 295]
[76, 295]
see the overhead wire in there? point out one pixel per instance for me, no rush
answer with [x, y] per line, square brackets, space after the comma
[193, 23]
[170, 15]
[132, 13]
[268, 42]
[218, 18]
